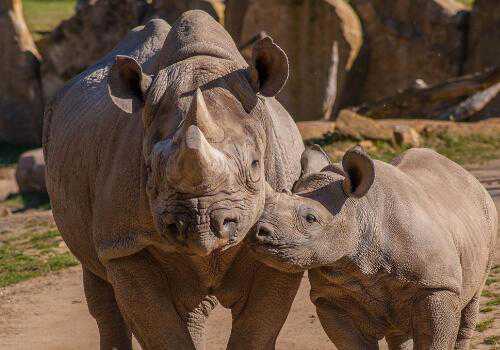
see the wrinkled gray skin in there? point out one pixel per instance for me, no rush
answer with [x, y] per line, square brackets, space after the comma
[398, 250]
[157, 159]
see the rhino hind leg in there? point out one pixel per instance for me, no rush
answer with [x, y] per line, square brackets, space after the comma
[114, 333]
[436, 319]
[468, 323]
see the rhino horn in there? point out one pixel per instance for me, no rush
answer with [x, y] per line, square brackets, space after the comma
[198, 161]
[200, 116]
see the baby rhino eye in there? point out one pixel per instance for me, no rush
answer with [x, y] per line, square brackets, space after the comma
[310, 218]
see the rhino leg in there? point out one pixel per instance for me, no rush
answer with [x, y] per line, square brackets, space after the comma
[436, 318]
[144, 297]
[341, 329]
[258, 319]
[114, 333]
[399, 342]
[468, 323]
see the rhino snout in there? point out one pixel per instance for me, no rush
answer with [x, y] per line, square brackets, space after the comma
[264, 233]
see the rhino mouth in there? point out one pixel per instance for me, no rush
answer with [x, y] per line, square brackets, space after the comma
[202, 240]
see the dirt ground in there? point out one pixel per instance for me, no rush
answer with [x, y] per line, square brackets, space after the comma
[50, 313]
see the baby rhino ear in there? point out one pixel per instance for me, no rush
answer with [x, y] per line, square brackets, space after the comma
[359, 170]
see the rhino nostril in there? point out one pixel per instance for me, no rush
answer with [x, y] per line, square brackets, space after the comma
[223, 227]
[264, 231]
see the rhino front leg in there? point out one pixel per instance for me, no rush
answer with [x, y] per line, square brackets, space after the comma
[144, 297]
[436, 318]
[258, 319]
[113, 332]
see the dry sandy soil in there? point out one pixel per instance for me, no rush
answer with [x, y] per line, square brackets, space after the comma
[50, 313]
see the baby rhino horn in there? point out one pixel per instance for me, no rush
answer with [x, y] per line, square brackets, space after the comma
[200, 116]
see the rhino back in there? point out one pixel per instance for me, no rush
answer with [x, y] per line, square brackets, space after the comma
[438, 222]
[88, 141]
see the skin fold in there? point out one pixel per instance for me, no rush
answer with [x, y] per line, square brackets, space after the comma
[157, 161]
[398, 250]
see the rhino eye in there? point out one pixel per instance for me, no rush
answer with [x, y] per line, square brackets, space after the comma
[255, 164]
[310, 218]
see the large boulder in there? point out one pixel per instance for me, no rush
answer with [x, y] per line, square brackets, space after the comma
[21, 98]
[87, 36]
[409, 40]
[30, 172]
[322, 39]
[484, 44]
[170, 10]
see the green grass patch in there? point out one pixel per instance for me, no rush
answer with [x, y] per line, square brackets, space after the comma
[465, 150]
[490, 281]
[9, 154]
[484, 325]
[493, 302]
[23, 201]
[42, 16]
[487, 309]
[488, 294]
[61, 261]
[15, 266]
[492, 340]
[32, 254]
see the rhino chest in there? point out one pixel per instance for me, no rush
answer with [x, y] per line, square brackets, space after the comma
[378, 305]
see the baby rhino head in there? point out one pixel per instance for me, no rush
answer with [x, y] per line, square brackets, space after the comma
[320, 223]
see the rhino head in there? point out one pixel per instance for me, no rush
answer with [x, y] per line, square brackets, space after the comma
[206, 126]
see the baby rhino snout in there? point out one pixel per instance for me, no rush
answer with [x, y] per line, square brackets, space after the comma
[264, 233]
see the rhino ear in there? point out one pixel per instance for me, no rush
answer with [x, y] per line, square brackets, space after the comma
[269, 69]
[127, 84]
[359, 170]
[313, 160]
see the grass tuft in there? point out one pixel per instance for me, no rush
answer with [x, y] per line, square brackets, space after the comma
[484, 325]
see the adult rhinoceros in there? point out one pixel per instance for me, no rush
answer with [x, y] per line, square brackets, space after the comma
[157, 159]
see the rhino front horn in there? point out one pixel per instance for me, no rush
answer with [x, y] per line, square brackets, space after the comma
[200, 116]
[199, 162]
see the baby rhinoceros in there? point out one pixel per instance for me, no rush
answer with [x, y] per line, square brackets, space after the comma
[398, 250]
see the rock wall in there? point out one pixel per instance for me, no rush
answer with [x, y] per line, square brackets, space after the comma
[87, 36]
[21, 102]
[170, 10]
[408, 40]
[322, 39]
[484, 44]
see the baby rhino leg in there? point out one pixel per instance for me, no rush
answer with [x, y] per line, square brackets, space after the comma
[436, 317]
[468, 323]
[341, 329]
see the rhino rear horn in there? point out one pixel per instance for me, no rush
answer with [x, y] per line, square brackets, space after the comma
[127, 84]
[269, 69]
[200, 116]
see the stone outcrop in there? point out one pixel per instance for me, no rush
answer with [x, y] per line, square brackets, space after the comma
[408, 40]
[484, 44]
[322, 39]
[30, 172]
[21, 98]
[86, 37]
[170, 10]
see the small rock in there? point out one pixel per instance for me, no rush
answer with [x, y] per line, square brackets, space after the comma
[358, 127]
[405, 135]
[315, 129]
[3, 213]
[367, 145]
[30, 172]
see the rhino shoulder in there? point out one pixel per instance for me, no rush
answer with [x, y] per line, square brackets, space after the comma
[285, 147]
